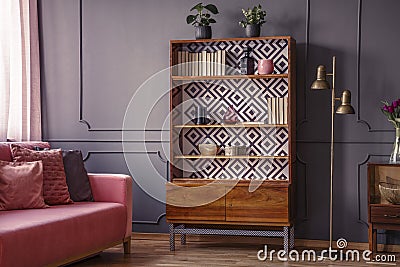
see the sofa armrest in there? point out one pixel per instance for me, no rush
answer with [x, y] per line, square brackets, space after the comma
[114, 188]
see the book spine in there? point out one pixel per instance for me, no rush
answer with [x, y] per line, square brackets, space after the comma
[186, 61]
[192, 64]
[219, 62]
[203, 63]
[196, 64]
[212, 63]
[273, 110]
[223, 62]
[269, 110]
[285, 110]
[208, 63]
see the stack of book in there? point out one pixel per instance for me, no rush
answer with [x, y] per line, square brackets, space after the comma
[277, 110]
[201, 64]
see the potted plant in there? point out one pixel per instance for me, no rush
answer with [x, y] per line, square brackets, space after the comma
[254, 18]
[202, 20]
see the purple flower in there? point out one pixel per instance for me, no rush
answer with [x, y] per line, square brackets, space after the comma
[390, 109]
[395, 104]
[398, 102]
[385, 108]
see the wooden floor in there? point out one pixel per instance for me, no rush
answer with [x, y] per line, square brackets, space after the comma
[242, 251]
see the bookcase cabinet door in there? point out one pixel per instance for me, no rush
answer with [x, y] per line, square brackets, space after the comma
[185, 200]
[269, 205]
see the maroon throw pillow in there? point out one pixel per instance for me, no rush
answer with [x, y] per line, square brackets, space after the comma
[21, 185]
[55, 189]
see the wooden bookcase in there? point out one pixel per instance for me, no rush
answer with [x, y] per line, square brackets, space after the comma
[232, 195]
[381, 214]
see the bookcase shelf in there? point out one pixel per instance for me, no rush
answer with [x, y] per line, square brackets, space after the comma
[228, 77]
[266, 103]
[229, 157]
[245, 125]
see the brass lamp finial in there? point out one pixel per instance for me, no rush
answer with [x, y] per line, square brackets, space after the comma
[320, 83]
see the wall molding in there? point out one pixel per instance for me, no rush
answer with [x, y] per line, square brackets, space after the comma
[81, 75]
[359, 35]
[158, 153]
[306, 64]
[156, 222]
[304, 163]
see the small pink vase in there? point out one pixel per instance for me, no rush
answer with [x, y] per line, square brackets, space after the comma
[265, 66]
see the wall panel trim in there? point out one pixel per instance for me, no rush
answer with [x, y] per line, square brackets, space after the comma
[81, 75]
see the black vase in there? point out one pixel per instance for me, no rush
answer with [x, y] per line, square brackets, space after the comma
[253, 30]
[203, 32]
[247, 63]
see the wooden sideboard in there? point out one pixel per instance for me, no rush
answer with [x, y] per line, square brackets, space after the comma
[381, 214]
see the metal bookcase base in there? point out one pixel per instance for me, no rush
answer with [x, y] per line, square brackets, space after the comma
[287, 233]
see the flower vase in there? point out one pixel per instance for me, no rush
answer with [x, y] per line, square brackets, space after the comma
[395, 156]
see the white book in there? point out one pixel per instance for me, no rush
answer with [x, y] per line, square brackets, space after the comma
[223, 62]
[219, 62]
[280, 110]
[196, 64]
[186, 62]
[199, 65]
[216, 63]
[269, 110]
[179, 63]
[212, 60]
[273, 110]
[203, 63]
[285, 110]
[208, 63]
[191, 71]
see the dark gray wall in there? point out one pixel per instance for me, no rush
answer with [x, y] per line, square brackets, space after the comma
[124, 42]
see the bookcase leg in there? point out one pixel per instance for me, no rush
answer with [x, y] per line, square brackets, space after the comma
[291, 238]
[171, 237]
[286, 239]
[183, 236]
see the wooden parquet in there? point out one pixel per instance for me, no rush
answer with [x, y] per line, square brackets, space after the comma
[210, 251]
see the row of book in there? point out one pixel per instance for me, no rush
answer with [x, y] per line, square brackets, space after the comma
[201, 64]
[277, 110]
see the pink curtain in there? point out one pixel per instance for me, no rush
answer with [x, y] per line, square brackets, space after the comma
[20, 117]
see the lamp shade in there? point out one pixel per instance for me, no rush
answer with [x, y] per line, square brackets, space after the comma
[345, 107]
[320, 83]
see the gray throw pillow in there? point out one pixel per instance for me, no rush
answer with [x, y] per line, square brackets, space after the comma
[77, 178]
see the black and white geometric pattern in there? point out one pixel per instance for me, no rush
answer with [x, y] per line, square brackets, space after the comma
[276, 49]
[246, 169]
[287, 233]
[249, 99]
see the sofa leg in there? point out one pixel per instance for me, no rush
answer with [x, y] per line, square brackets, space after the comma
[127, 245]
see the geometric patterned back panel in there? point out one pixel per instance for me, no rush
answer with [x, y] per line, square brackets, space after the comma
[276, 49]
[249, 98]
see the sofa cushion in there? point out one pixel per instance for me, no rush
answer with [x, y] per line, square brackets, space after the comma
[55, 189]
[21, 185]
[77, 177]
[5, 150]
[71, 229]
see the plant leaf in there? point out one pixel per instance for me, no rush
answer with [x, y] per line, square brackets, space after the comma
[198, 7]
[191, 18]
[211, 21]
[212, 8]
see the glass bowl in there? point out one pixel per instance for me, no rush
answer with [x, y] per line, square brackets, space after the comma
[390, 192]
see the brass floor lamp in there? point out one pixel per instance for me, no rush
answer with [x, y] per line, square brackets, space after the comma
[344, 108]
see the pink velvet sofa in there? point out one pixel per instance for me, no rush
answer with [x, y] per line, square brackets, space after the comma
[66, 233]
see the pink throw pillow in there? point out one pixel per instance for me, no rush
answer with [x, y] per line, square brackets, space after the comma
[55, 189]
[21, 185]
